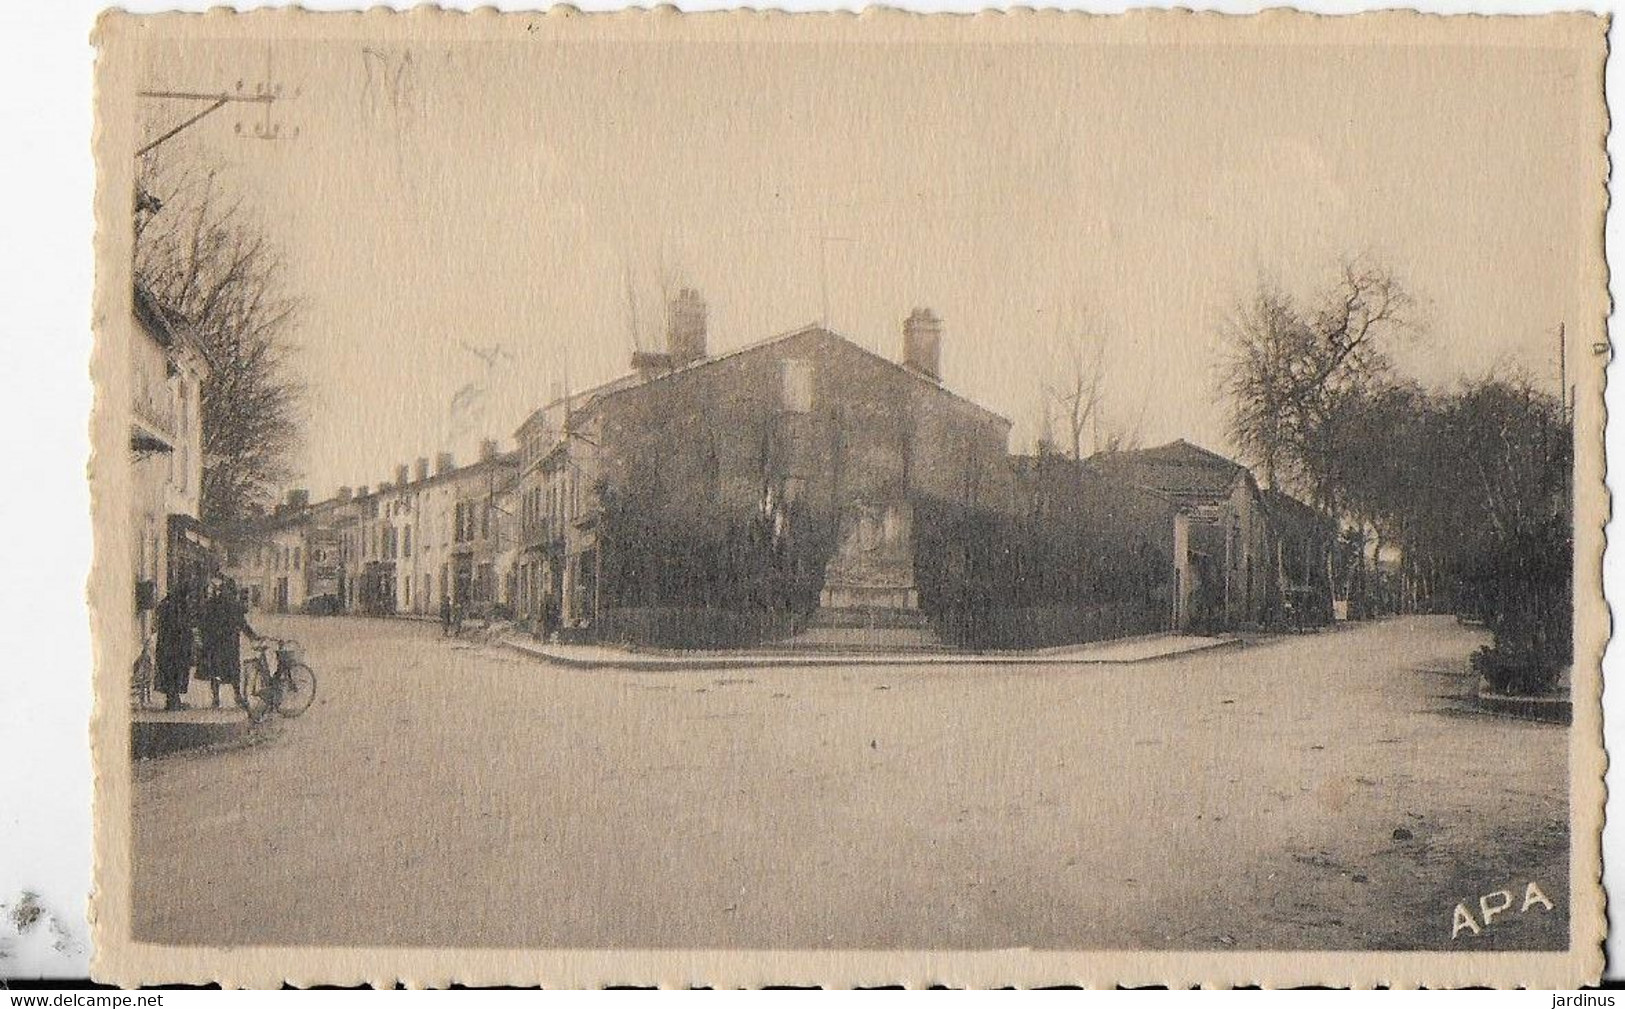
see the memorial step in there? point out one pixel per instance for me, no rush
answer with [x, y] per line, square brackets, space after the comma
[868, 617]
[863, 639]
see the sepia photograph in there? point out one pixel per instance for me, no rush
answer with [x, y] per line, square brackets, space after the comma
[740, 499]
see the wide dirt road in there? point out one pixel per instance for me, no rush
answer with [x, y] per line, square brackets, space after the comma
[451, 794]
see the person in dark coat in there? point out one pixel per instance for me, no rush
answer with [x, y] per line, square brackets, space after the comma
[445, 616]
[223, 623]
[177, 629]
[550, 617]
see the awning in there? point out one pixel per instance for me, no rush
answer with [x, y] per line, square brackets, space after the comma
[187, 532]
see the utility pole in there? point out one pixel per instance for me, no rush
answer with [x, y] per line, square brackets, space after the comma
[1563, 369]
[264, 94]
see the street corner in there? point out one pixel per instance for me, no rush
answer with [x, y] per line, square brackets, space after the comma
[161, 733]
[198, 727]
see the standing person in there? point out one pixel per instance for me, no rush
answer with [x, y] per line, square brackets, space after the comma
[550, 617]
[223, 623]
[176, 636]
[445, 616]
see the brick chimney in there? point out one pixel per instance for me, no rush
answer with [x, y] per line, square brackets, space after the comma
[344, 494]
[488, 449]
[362, 490]
[444, 463]
[401, 472]
[298, 498]
[422, 470]
[685, 327]
[922, 343]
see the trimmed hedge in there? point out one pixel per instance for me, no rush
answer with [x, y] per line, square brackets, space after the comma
[693, 626]
[1021, 627]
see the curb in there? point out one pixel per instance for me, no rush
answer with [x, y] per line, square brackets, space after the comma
[149, 738]
[633, 662]
[1553, 710]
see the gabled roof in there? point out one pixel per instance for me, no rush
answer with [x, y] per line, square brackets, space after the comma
[1177, 468]
[589, 398]
[1177, 452]
[1082, 475]
[154, 320]
[167, 328]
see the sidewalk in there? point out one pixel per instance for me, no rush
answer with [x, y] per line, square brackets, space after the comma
[1117, 652]
[155, 732]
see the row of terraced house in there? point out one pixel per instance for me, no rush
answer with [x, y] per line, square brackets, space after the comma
[399, 547]
[797, 487]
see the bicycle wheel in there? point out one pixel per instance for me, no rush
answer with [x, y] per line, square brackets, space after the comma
[298, 690]
[253, 690]
[143, 682]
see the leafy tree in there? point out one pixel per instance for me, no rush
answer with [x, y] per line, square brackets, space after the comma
[729, 570]
[1381, 471]
[1511, 454]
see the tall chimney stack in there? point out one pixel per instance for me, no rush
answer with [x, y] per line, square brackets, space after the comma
[422, 472]
[685, 327]
[488, 449]
[362, 491]
[922, 343]
[298, 498]
[401, 472]
[344, 494]
[444, 463]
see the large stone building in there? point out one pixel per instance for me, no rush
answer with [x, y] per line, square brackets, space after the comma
[170, 543]
[803, 488]
[804, 456]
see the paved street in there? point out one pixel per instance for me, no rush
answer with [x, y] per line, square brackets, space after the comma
[455, 794]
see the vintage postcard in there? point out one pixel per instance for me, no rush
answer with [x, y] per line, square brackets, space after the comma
[744, 499]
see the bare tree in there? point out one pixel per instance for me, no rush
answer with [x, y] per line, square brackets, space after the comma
[201, 254]
[1293, 374]
[1289, 367]
[1265, 339]
[1114, 435]
[1076, 392]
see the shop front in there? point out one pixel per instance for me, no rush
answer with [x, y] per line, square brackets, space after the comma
[192, 557]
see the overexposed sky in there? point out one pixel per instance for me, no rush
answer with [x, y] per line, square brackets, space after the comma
[477, 195]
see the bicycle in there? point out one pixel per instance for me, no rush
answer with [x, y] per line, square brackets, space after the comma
[141, 679]
[289, 689]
